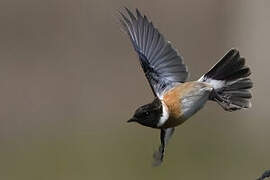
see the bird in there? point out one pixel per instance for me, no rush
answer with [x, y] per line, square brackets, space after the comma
[175, 99]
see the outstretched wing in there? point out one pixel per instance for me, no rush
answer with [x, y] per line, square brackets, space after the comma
[161, 63]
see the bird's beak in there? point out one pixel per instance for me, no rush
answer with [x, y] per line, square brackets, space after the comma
[132, 120]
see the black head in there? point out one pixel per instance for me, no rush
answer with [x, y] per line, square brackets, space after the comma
[149, 114]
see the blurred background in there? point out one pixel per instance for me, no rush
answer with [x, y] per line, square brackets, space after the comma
[69, 80]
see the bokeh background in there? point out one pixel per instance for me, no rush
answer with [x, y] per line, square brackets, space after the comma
[69, 80]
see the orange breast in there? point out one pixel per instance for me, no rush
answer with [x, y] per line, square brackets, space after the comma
[172, 99]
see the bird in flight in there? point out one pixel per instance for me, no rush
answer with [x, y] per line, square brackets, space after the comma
[176, 100]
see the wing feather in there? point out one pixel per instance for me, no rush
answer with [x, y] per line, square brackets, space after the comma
[161, 63]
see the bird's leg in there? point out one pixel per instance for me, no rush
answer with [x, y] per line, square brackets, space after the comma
[165, 135]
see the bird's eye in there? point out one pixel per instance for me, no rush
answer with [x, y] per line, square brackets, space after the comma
[146, 113]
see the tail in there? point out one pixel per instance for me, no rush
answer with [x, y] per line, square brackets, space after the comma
[230, 82]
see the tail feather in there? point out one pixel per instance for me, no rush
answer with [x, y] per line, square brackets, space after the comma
[242, 93]
[244, 83]
[231, 85]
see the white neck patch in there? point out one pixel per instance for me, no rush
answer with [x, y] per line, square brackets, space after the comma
[165, 115]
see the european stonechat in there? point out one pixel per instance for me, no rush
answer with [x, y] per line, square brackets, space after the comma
[176, 100]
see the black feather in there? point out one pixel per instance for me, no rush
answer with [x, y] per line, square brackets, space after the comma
[232, 72]
[161, 63]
